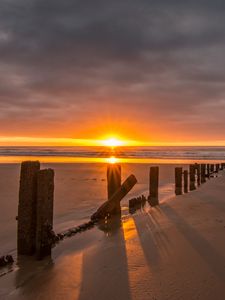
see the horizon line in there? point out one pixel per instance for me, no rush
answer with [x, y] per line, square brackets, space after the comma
[68, 142]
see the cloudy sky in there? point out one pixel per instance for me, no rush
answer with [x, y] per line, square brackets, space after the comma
[146, 70]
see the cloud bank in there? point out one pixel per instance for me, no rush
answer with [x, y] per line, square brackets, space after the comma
[153, 69]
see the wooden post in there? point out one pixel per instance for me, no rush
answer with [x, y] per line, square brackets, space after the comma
[178, 181]
[198, 168]
[26, 230]
[203, 167]
[217, 168]
[212, 168]
[114, 182]
[154, 186]
[108, 207]
[185, 181]
[45, 196]
[192, 177]
[208, 170]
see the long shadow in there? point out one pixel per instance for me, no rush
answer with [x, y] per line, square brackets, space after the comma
[104, 268]
[210, 255]
[28, 273]
[219, 204]
[153, 241]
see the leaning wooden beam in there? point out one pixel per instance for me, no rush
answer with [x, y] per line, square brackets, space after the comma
[26, 230]
[45, 195]
[108, 207]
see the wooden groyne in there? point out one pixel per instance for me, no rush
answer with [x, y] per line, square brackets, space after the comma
[35, 235]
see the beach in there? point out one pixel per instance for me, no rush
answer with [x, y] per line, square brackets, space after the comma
[172, 251]
[79, 189]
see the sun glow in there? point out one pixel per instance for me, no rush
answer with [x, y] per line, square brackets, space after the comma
[112, 160]
[112, 142]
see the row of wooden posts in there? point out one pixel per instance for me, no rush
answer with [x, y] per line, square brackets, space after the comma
[36, 196]
[197, 172]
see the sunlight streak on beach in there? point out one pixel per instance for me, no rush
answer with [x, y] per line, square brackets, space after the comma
[138, 266]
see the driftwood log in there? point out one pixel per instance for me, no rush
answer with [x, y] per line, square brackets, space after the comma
[107, 208]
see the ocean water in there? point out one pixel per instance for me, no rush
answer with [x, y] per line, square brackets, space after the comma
[98, 153]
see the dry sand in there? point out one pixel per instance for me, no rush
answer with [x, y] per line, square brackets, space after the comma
[174, 251]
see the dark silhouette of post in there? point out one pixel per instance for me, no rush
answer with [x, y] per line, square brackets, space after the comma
[108, 207]
[203, 170]
[185, 181]
[45, 197]
[217, 168]
[192, 177]
[198, 168]
[212, 168]
[178, 181]
[208, 170]
[26, 230]
[154, 186]
[114, 182]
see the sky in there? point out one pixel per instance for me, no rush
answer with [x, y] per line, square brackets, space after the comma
[142, 70]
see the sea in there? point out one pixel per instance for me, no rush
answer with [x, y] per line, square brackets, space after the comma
[101, 154]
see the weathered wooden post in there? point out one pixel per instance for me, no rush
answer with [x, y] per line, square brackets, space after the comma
[212, 168]
[192, 177]
[217, 168]
[197, 167]
[178, 181]
[203, 167]
[26, 230]
[114, 182]
[45, 196]
[154, 186]
[208, 170]
[185, 181]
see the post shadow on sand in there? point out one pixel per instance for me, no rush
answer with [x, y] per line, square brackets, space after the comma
[210, 255]
[26, 273]
[104, 264]
[110, 225]
[153, 241]
[218, 204]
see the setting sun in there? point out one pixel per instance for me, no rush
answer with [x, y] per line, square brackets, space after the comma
[113, 142]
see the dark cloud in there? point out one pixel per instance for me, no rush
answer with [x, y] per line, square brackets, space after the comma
[158, 63]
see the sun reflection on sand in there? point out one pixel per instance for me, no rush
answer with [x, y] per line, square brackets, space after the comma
[112, 160]
[138, 267]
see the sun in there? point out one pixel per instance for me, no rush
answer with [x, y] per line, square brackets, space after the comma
[112, 142]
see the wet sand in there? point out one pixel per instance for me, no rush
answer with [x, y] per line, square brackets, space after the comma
[79, 189]
[174, 251]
